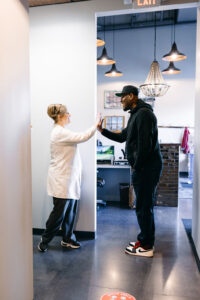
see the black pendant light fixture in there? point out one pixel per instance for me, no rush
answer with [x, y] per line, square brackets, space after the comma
[171, 70]
[113, 72]
[174, 54]
[100, 42]
[104, 59]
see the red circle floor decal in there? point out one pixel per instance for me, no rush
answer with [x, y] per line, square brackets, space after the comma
[117, 296]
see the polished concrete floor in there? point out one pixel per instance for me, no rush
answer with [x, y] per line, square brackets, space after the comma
[101, 265]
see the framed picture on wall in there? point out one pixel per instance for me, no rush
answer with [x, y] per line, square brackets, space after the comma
[111, 101]
[114, 123]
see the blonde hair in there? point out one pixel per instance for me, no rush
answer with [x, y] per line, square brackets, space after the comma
[55, 110]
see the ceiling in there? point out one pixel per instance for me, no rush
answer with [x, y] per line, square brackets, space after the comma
[141, 20]
[48, 2]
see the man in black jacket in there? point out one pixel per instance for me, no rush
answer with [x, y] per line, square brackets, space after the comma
[143, 154]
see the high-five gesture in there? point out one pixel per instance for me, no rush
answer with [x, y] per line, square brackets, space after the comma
[99, 125]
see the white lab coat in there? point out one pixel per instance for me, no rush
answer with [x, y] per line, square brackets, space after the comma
[64, 174]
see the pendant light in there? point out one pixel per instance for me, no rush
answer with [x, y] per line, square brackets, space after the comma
[100, 42]
[174, 54]
[104, 59]
[171, 70]
[154, 85]
[113, 72]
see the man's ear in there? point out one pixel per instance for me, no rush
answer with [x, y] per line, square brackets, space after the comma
[131, 96]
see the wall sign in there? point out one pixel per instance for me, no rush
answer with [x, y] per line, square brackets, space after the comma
[146, 3]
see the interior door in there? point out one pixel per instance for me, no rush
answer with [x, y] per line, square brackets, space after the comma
[196, 189]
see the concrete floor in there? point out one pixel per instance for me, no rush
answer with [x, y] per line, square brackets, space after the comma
[101, 265]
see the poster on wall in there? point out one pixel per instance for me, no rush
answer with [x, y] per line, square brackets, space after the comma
[111, 101]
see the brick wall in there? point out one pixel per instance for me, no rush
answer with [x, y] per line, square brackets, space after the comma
[167, 191]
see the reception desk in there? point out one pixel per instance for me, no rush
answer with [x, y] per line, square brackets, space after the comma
[167, 192]
[113, 176]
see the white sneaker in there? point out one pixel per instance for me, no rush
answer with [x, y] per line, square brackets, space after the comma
[139, 251]
[72, 244]
[137, 244]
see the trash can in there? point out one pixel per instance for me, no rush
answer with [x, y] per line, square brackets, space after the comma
[124, 195]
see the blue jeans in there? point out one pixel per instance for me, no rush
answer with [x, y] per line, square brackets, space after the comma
[145, 182]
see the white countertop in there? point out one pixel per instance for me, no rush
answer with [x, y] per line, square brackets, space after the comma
[112, 166]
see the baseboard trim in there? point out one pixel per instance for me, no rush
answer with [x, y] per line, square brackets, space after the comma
[188, 228]
[81, 235]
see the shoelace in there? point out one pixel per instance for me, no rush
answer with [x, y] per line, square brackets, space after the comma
[137, 245]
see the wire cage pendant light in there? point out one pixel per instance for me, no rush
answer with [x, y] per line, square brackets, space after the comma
[154, 85]
[171, 70]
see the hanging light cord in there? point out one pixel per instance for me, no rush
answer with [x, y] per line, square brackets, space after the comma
[104, 30]
[172, 34]
[113, 37]
[174, 24]
[155, 37]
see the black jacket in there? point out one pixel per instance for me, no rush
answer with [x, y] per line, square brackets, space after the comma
[140, 135]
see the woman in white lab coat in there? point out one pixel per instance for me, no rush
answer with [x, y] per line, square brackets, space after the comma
[64, 177]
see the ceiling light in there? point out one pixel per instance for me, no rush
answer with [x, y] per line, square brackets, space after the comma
[113, 72]
[174, 54]
[154, 85]
[100, 42]
[104, 59]
[171, 69]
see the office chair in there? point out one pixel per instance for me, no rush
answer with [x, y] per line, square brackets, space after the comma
[100, 183]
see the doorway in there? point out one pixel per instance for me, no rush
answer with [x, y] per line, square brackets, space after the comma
[130, 41]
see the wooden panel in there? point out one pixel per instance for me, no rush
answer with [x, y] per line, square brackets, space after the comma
[47, 2]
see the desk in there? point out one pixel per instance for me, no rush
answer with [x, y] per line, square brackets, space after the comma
[113, 176]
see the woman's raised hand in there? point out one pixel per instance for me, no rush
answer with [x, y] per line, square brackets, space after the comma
[99, 124]
[98, 119]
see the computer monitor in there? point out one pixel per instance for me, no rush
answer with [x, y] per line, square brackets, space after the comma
[105, 152]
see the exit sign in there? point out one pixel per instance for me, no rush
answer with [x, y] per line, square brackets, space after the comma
[146, 3]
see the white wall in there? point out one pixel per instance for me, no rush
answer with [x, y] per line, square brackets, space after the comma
[63, 70]
[134, 55]
[16, 279]
[196, 193]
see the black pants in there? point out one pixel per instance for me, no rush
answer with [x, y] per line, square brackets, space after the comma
[63, 215]
[145, 182]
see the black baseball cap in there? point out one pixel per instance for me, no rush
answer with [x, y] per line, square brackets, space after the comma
[128, 89]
